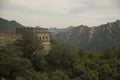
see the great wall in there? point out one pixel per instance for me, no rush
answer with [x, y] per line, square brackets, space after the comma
[42, 33]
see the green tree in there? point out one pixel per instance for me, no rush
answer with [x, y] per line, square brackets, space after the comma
[39, 63]
[29, 44]
[82, 53]
[59, 75]
[42, 75]
[105, 72]
[112, 53]
[13, 65]
[62, 57]
[93, 75]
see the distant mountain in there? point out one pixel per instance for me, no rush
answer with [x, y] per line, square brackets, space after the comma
[9, 26]
[91, 38]
[55, 30]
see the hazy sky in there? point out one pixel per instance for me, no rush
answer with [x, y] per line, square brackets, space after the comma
[60, 13]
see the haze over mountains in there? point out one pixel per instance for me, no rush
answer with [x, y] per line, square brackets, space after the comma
[9, 26]
[89, 38]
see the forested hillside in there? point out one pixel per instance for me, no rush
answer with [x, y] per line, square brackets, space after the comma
[24, 60]
[91, 38]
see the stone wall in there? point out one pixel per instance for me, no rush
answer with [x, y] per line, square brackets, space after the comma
[42, 33]
[6, 38]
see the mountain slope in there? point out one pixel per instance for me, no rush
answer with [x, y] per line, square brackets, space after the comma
[9, 26]
[91, 38]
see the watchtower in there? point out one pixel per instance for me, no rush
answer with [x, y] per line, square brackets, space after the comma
[42, 33]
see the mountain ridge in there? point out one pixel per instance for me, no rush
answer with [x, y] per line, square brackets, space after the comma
[91, 38]
[9, 26]
[95, 38]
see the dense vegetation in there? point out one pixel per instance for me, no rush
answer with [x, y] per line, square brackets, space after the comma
[24, 60]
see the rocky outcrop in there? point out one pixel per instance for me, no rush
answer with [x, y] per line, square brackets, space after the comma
[92, 38]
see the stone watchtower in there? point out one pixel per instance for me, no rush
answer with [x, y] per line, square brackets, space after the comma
[42, 33]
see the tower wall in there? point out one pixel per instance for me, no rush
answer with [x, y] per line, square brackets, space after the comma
[6, 38]
[42, 33]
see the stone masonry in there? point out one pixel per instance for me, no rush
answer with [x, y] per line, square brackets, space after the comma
[42, 33]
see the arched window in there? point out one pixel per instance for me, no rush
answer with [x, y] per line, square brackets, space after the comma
[40, 38]
[46, 37]
[43, 37]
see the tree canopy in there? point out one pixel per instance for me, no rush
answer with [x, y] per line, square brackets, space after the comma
[23, 60]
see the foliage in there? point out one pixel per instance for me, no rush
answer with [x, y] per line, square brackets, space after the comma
[12, 65]
[29, 44]
[23, 60]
